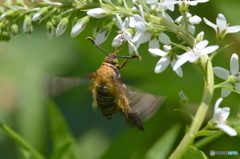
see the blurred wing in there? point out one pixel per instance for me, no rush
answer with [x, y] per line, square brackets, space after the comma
[143, 104]
[59, 85]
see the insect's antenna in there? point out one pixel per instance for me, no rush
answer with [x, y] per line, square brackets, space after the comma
[130, 57]
[91, 39]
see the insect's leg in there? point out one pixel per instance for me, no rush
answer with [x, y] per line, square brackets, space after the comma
[122, 65]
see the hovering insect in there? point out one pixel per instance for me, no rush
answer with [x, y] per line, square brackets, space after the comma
[110, 94]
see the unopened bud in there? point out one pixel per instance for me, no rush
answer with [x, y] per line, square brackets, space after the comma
[98, 13]
[27, 23]
[62, 26]
[5, 36]
[79, 26]
[200, 37]
[50, 29]
[39, 14]
[14, 29]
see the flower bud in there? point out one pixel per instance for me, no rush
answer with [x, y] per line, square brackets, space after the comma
[7, 14]
[200, 37]
[27, 23]
[40, 13]
[29, 32]
[97, 29]
[183, 97]
[102, 36]
[62, 26]
[50, 29]
[5, 36]
[98, 13]
[79, 26]
[2, 27]
[14, 29]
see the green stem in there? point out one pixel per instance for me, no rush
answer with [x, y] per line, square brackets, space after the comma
[208, 140]
[201, 112]
[21, 141]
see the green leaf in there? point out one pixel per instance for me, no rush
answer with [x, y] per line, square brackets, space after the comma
[62, 149]
[205, 133]
[163, 146]
[193, 152]
[16, 137]
[61, 135]
[185, 111]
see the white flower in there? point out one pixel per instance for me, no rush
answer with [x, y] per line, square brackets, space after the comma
[191, 21]
[183, 3]
[224, 74]
[222, 27]
[62, 26]
[143, 36]
[166, 59]
[219, 118]
[156, 6]
[124, 34]
[97, 13]
[192, 55]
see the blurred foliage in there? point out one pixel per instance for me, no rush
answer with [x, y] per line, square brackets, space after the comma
[25, 63]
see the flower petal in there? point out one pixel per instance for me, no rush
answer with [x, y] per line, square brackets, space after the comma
[221, 22]
[162, 64]
[119, 22]
[154, 43]
[127, 35]
[233, 29]
[192, 3]
[138, 18]
[163, 38]
[234, 65]
[227, 129]
[220, 114]
[225, 113]
[178, 70]
[151, 1]
[201, 45]
[144, 38]
[209, 49]
[221, 72]
[195, 19]
[117, 41]
[214, 26]
[225, 92]
[237, 86]
[202, 1]
[140, 26]
[157, 52]
[183, 59]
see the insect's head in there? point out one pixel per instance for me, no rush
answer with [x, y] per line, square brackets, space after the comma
[112, 57]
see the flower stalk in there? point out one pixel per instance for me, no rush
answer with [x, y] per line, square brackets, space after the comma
[201, 112]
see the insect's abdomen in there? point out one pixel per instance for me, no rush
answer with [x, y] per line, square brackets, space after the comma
[106, 101]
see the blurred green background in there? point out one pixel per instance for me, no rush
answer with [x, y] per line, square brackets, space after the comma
[25, 62]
